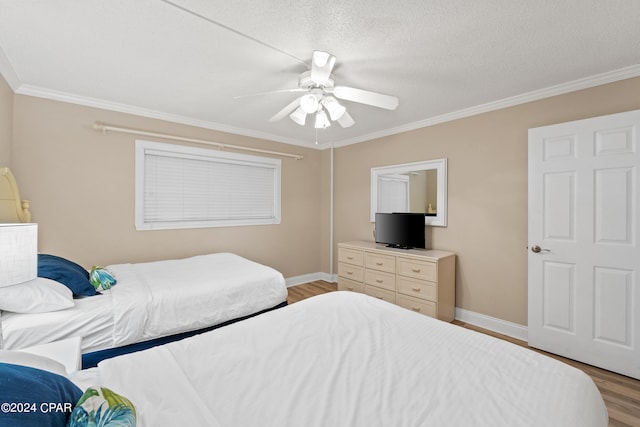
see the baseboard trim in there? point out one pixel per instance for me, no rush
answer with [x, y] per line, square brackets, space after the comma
[311, 277]
[504, 327]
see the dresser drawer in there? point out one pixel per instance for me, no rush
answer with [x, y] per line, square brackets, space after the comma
[351, 256]
[418, 288]
[350, 285]
[380, 279]
[349, 271]
[418, 305]
[379, 293]
[424, 270]
[380, 262]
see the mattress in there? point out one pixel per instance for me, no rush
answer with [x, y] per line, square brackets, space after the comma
[155, 299]
[347, 359]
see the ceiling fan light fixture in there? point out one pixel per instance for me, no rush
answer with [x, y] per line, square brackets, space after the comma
[299, 116]
[323, 97]
[309, 103]
[333, 107]
[322, 121]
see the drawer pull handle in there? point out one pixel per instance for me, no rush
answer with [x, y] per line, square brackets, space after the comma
[379, 263]
[349, 288]
[350, 272]
[379, 297]
[379, 280]
[416, 309]
[415, 270]
[415, 289]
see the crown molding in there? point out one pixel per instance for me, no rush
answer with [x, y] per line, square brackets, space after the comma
[54, 95]
[536, 95]
[609, 77]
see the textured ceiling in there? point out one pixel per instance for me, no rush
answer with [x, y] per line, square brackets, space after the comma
[189, 60]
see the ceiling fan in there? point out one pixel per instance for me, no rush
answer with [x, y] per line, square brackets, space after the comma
[320, 99]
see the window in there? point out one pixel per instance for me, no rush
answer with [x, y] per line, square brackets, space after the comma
[187, 187]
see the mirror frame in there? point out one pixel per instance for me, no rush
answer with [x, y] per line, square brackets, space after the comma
[440, 165]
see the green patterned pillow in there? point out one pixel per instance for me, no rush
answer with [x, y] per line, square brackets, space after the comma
[101, 279]
[101, 407]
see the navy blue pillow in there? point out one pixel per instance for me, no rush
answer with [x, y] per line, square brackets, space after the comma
[66, 272]
[33, 397]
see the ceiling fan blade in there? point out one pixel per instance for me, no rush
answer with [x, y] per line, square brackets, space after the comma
[286, 110]
[375, 99]
[346, 120]
[321, 66]
[298, 89]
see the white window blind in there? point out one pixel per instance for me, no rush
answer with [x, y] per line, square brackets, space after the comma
[187, 187]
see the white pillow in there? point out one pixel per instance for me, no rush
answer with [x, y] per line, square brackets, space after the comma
[39, 295]
[33, 361]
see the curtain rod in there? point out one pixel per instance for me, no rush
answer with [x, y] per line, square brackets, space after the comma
[104, 128]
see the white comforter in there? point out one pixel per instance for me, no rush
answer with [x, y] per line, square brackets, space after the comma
[166, 297]
[346, 359]
[155, 299]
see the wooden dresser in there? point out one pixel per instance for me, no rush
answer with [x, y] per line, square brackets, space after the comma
[418, 279]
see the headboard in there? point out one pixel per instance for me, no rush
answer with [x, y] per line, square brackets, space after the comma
[12, 208]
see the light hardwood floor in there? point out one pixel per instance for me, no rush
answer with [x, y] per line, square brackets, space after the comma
[621, 394]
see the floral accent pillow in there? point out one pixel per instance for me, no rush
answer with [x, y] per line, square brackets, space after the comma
[101, 407]
[101, 279]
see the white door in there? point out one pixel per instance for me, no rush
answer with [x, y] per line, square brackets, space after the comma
[584, 261]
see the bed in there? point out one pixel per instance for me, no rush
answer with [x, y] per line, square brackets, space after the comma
[150, 303]
[347, 359]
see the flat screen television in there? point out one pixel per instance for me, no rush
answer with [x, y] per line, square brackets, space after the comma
[400, 230]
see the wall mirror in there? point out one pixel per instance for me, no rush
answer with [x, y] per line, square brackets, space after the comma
[411, 187]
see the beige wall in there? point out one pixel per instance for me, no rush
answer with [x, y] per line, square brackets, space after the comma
[6, 122]
[81, 186]
[487, 179]
[80, 183]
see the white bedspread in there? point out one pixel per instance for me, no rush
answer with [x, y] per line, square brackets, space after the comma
[162, 298]
[155, 299]
[346, 359]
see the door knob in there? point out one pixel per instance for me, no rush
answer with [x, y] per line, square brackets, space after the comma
[537, 249]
